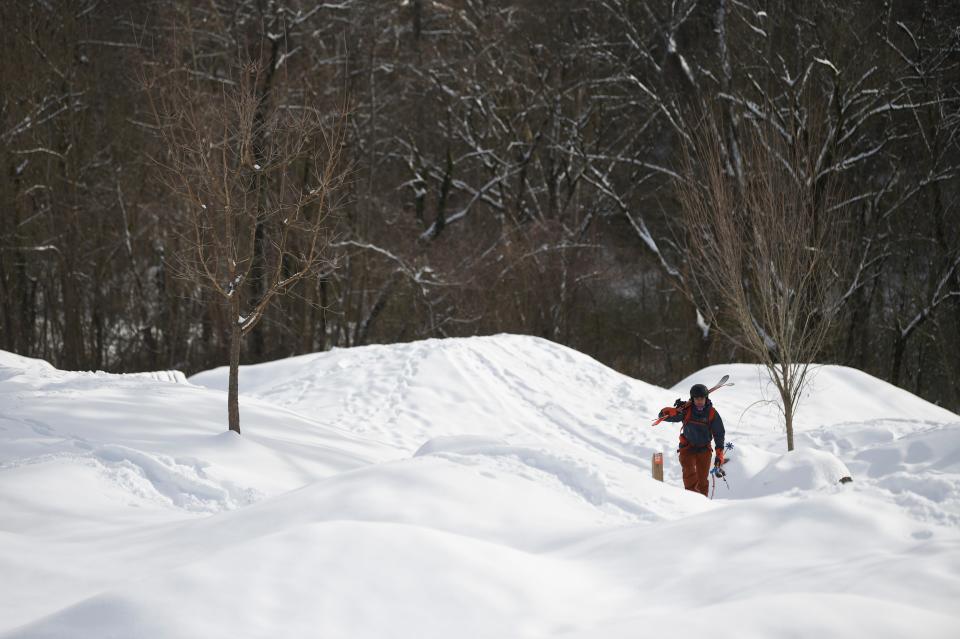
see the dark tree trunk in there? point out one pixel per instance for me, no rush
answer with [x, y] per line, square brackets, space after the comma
[788, 418]
[72, 320]
[324, 302]
[233, 385]
[898, 348]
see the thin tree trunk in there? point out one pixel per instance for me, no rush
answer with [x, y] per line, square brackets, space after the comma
[233, 387]
[72, 318]
[323, 315]
[788, 418]
[378, 305]
[899, 346]
[307, 321]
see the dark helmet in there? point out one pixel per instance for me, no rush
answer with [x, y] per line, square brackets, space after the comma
[699, 390]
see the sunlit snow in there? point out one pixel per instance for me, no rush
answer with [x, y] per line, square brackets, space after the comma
[485, 487]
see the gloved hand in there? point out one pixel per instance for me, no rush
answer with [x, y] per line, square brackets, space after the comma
[719, 459]
[679, 403]
[669, 411]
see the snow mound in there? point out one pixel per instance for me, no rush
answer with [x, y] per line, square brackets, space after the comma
[546, 410]
[487, 487]
[19, 362]
[505, 386]
[180, 482]
[934, 448]
[13, 366]
[458, 444]
[771, 558]
[425, 583]
[171, 376]
[806, 469]
[918, 461]
[835, 394]
[580, 479]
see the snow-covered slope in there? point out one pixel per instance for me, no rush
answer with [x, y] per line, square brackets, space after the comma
[483, 487]
[834, 395]
[505, 386]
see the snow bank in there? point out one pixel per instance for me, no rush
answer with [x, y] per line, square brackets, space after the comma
[806, 469]
[344, 579]
[835, 395]
[483, 487]
[173, 377]
[181, 482]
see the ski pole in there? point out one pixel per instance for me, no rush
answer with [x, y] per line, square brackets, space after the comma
[718, 471]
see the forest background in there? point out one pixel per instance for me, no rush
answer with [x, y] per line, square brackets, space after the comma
[510, 167]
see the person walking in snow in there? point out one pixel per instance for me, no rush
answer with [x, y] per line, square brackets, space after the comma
[701, 423]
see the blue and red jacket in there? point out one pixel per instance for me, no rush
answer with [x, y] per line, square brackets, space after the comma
[699, 427]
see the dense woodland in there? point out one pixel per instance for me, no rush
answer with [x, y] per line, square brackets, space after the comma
[496, 166]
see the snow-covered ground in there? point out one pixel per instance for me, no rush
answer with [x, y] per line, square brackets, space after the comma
[485, 487]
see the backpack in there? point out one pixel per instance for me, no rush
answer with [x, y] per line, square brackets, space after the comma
[688, 419]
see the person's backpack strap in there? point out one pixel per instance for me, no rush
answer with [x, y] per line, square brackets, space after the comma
[687, 414]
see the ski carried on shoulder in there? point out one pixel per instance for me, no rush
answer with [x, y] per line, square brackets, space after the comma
[723, 382]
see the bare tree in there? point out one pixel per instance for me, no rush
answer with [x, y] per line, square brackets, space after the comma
[765, 251]
[246, 173]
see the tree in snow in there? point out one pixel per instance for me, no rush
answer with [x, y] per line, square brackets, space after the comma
[765, 247]
[257, 183]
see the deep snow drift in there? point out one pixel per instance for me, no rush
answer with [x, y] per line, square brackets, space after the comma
[483, 487]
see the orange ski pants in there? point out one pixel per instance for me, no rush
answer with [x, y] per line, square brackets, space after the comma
[696, 469]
